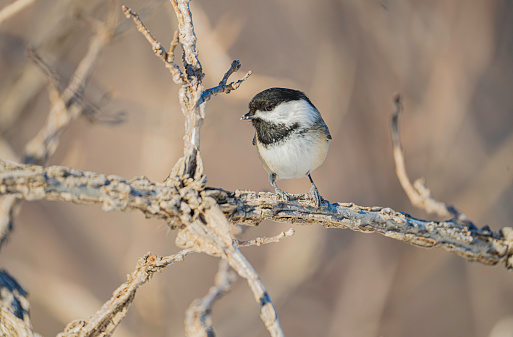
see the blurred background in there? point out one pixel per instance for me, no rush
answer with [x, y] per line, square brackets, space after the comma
[450, 60]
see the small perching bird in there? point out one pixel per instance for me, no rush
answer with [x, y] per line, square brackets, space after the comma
[291, 137]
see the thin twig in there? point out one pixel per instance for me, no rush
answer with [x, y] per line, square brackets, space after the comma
[418, 193]
[53, 77]
[112, 312]
[265, 240]
[223, 87]
[158, 49]
[193, 69]
[198, 319]
[13, 8]
[65, 108]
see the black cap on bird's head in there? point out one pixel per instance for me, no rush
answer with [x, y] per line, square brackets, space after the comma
[270, 98]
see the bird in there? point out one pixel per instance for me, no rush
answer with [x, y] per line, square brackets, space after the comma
[291, 137]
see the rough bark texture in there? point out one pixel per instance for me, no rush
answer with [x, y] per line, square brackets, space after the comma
[251, 208]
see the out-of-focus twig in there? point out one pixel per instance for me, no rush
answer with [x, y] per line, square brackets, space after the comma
[418, 193]
[198, 319]
[13, 8]
[55, 34]
[54, 79]
[65, 107]
[112, 312]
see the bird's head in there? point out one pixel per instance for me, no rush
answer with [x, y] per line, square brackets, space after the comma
[282, 106]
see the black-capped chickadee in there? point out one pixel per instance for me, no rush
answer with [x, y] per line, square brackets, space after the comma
[291, 137]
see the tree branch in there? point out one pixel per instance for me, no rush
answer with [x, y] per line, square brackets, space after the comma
[418, 193]
[114, 310]
[265, 240]
[223, 87]
[65, 108]
[198, 319]
[204, 227]
[13, 8]
[250, 208]
[158, 49]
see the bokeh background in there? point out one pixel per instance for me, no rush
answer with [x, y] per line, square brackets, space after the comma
[450, 60]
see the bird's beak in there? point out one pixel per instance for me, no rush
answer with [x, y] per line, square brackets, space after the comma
[247, 116]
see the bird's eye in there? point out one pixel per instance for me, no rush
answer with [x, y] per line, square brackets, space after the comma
[269, 107]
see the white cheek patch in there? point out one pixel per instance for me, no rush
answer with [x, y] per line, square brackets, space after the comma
[288, 113]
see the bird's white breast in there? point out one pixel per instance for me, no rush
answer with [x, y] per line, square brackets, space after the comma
[298, 155]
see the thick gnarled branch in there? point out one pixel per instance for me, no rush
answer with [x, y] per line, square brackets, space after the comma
[250, 208]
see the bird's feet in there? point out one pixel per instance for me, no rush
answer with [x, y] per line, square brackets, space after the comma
[316, 197]
[284, 195]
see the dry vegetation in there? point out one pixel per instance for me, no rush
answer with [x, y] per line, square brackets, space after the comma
[80, 89]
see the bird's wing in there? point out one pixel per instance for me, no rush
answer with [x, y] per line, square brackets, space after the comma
[328, 135]
[324, 128]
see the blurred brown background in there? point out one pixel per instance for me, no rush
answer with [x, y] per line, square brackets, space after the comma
[451, 61]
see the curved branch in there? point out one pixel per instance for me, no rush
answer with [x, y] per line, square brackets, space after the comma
[198, 317]
[250, 208]
[418, 193]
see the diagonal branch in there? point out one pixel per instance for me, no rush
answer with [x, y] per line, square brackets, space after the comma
[198, 318]
[67, 106]
[114, 310]
[13, 8]
[211, 234]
